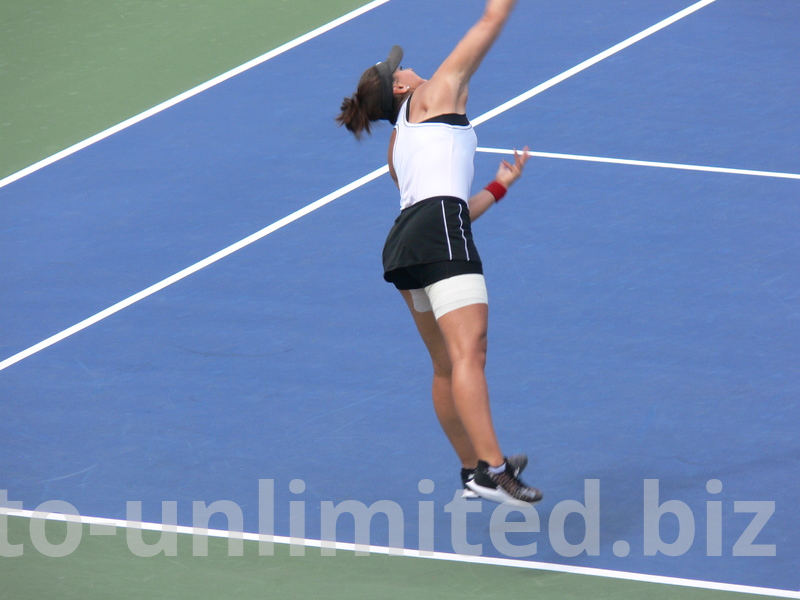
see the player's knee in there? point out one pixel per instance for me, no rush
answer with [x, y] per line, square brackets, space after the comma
[472, 357]
[442, 369]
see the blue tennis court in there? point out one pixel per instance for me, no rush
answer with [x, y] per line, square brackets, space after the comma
[643, 276]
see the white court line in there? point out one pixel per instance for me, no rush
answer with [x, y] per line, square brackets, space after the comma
[100, 522]
[591, 62]
[356, 184]
[193, 268]
[192, 92]
[308, 209]
[646, 163]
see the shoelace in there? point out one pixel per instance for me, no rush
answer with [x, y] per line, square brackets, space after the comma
[514, 486]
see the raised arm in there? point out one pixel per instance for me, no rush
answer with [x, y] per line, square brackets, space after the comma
[468, 54]
[447, 90]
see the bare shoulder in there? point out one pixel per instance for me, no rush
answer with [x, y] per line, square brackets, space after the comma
[448, 88]
[438, 96]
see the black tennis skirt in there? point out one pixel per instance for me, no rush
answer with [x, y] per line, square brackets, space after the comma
[430, 241]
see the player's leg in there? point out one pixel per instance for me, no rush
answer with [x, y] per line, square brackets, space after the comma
[460, 305]
[464, 331]
[442, 378]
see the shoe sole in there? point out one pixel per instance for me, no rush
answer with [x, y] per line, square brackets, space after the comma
[499, 495]
[468, 494]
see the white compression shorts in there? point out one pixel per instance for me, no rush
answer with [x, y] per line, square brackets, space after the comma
[451, 293]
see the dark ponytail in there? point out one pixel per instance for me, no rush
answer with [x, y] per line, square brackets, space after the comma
[365, 106]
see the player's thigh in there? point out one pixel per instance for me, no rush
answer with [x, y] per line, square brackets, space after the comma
[465, 331]
[431, 335]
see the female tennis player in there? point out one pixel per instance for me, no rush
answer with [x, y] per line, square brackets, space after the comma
[429, 253]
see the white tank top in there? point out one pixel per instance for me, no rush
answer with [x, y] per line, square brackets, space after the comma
[433, 159]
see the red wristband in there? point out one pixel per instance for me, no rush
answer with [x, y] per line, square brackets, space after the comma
[496, 189]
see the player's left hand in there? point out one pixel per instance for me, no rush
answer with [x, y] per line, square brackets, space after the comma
[507, 174]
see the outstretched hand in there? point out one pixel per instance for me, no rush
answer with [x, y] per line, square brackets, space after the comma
[507, 174]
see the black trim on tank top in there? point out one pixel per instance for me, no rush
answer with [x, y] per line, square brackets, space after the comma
[448, 118]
